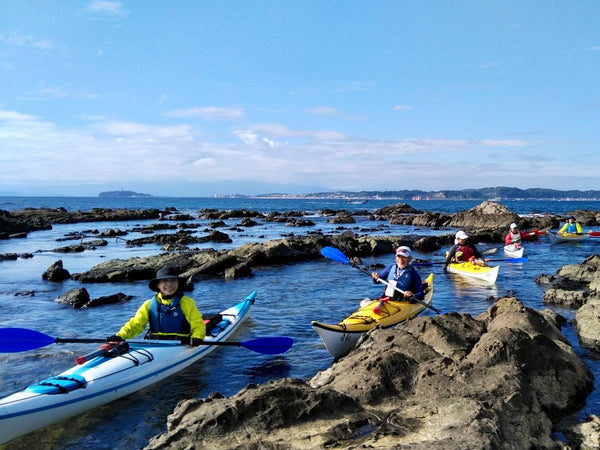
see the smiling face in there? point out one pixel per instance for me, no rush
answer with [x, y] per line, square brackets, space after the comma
[168, 286]
[402, 261]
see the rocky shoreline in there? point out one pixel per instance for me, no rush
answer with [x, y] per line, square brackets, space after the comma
[504, 379]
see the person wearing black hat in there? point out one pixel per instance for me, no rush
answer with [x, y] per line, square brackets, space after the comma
[170, 314]
[571, 226]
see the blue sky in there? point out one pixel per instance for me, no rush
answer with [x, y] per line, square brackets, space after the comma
[194, 98]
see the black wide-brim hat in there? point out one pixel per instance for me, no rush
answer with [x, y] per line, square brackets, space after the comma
[166, 273]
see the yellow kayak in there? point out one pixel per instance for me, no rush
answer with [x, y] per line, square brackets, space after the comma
[340, 338]
[474, 271]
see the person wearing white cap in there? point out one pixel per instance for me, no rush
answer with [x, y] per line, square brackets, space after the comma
[402, 275]
[515, 236]
[463, 251]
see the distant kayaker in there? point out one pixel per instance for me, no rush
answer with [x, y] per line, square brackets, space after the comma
[515, 236]
[463, 251]
[402, 275]
[170, 314]
[571, 226]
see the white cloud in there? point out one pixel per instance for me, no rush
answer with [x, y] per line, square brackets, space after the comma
[106, 7]
[401, 108]
[46, 93]
[39, 153]
[25, 41]
[208, 112]
[324, 111]
[281, 131]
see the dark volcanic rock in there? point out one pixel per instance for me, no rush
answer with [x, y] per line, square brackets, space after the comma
[108, 300]
[501, 380]
[56, 272]
[76, 298]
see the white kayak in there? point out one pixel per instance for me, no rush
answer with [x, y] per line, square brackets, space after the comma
[561, 238]
[514, 250]
[487, 274]
[103, 379]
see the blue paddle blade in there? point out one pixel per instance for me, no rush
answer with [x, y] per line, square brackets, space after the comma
[269, 345]
[13, 340]
[335, 254]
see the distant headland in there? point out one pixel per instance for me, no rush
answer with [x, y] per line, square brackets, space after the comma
[489, 193]
[122, 193]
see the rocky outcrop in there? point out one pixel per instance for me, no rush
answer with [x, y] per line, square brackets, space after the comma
[239, 261]
[56, 272]
[80, 298]
[489, 217]
[75, 297]
[578, 286]
[501, 380]
[14, 223]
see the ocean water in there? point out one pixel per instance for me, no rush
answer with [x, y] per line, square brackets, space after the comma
[289, 297]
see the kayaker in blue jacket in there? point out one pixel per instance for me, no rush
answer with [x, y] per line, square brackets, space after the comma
[170, 313]
[571, 226]
[403, 275]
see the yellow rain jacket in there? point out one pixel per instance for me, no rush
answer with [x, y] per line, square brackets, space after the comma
[138, 322]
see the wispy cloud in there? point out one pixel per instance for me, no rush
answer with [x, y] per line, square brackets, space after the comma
[208, 112]
[106, 7]
[329, 111]
[40, 152]
[19, 40]
[45, 93]
[324, 111]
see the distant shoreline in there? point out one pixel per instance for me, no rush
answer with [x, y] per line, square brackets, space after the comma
[499, 193]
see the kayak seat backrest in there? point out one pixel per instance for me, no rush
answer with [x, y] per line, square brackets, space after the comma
[58, 385]
[211, 320]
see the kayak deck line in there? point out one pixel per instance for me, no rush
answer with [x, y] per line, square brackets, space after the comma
[107, 378]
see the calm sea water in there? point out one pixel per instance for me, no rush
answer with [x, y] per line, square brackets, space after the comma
[128, 423]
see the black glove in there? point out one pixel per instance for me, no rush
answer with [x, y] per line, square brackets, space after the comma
[114, 338]
[195, 342]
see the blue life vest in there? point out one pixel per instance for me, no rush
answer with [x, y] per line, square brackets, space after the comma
[167, 318]
[571, 227]
[403, 278]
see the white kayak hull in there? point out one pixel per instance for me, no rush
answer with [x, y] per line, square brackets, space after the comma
[556, 238]
[337, 342]
[513, 251]
[104, 379]
[486, 274]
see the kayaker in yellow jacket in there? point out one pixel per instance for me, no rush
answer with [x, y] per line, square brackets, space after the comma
[571, 226]
[170, 314]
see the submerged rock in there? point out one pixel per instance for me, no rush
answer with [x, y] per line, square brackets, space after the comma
[503, 379]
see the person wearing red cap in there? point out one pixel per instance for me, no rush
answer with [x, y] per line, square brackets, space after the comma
[402, 275]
